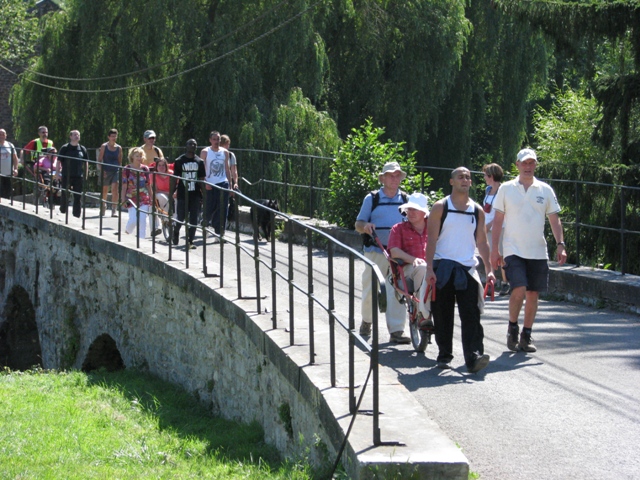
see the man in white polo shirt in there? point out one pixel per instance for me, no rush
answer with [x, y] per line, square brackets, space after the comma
[523, 204]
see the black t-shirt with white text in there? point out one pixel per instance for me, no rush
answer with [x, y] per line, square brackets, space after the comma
[189, 170]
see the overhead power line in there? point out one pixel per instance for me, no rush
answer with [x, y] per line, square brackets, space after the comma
[169, 77]
[168, 62]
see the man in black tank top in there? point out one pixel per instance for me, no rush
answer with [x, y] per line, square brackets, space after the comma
[451, 265]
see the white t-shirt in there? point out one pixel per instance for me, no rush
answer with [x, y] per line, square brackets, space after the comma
[6, 158]
[525, 213]
[214, 165]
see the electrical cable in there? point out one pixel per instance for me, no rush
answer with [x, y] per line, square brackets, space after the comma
[169, 77]
[158, 65]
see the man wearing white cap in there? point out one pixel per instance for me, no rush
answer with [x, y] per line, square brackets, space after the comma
[456, 228]
[379, 212]
[408, 244]
[523, 204]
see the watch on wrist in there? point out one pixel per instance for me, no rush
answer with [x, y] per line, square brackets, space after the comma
[561, 243]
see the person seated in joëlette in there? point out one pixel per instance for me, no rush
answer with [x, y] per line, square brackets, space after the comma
[408, 245]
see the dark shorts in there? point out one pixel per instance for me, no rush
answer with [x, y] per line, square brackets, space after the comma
[109, 176]
[523, 272]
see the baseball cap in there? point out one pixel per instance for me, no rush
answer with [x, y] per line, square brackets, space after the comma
[149, 134]
[526, 154]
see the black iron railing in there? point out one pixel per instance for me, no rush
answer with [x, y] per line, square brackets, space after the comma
[279, 269]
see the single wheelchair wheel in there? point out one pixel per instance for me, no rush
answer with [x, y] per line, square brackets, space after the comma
[419, 338]
[166, 228]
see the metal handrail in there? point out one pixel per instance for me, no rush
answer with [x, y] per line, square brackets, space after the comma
[314, 236]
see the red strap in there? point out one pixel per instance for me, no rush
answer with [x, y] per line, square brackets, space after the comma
[493, 290]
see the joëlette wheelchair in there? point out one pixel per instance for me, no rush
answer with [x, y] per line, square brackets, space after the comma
[421, 329]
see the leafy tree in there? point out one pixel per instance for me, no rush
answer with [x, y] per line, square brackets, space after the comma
[295, 126]
[572, 23]
[18, 32]
[355, 173]
[564, 137]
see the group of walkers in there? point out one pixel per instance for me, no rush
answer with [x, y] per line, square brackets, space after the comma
[438, 248]
[144, 180]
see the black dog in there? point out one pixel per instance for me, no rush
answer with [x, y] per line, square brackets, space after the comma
[264, 217]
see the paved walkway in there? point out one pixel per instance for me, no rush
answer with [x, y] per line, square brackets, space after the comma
[571, 410]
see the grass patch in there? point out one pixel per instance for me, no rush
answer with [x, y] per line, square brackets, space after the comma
[124, 425]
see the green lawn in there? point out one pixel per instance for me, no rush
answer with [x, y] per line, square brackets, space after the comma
[124, 425]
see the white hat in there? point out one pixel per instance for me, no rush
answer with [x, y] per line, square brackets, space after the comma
[392, 167]
[526, 154]
[149, 134]
[417, 201]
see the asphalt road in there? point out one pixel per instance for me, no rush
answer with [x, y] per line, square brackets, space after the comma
[569, 411]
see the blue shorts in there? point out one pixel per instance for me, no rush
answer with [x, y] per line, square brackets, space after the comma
[524, 272]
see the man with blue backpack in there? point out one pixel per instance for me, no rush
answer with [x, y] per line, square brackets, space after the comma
[380, 212]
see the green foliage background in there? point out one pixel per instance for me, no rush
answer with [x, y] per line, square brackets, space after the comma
[458, 82]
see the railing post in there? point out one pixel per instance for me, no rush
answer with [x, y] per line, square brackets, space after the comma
[623, 248]
[312, 349]
[291, 289]
[332, 320]
[311, 183]
[274, 277]
[577, 225]
[286, 184]
[374, 361]
[352, 342]
[138, 209]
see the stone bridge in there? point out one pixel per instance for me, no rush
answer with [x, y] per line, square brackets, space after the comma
[73, 299]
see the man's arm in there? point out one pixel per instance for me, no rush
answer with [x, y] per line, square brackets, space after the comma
[483, 246]
[365, 226]
[433, 232]
[227, 168]
[496, 232]
[234, 171]
[101, 157]
[14, 157]
[556, 228]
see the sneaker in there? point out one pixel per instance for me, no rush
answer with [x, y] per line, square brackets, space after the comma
[191, 246]
[399, 337]
[157, 231]
[505, 290]
[526, 343]
[481, 362]
[512, 337]
[215, 240]
[114, 214]
[102, 210]
[365, 329]
[176, 238]
[443, 365]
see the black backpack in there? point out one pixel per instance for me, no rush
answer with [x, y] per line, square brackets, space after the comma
[367, 241]
[445, 212]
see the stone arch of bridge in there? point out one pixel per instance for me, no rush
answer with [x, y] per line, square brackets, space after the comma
[19, 339]
[103, 353]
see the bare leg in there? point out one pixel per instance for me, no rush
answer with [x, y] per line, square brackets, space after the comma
[515, 303]
[115, 196]
[530, 309]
